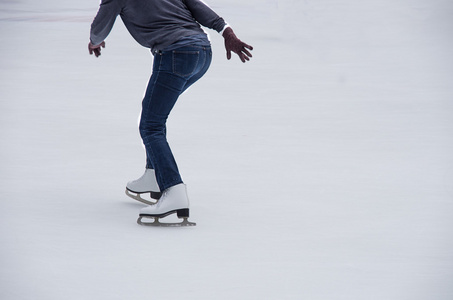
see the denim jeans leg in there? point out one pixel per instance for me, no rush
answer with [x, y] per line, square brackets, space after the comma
[172, 71]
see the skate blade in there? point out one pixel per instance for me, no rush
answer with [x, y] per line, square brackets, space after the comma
[136, 196]
[156, 222]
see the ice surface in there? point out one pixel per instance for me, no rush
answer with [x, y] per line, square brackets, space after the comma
[322, 169]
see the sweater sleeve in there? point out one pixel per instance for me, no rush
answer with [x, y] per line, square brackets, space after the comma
[204, 15]
[104, 20]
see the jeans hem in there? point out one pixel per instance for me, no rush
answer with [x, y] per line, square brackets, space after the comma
[167, 186]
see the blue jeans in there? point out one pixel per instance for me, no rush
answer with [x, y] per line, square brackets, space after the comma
[173, 72]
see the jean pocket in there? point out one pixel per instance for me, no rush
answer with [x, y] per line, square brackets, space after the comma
[185, 63]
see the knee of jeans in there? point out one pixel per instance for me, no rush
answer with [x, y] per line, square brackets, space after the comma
[151, 129]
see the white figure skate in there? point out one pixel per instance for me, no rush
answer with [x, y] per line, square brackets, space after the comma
[173, 200]
[145, 184]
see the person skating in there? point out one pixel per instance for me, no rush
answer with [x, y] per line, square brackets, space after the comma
[182, 55]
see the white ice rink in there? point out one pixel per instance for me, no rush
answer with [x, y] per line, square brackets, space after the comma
[320, 170]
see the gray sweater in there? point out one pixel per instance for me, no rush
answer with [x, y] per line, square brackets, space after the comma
[155, 24]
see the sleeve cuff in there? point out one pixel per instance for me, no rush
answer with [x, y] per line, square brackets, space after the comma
[224, 27]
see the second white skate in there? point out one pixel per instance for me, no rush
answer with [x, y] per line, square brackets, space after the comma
[174, 200]
[145, 184]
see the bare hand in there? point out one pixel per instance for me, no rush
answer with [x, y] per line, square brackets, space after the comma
[95, 49]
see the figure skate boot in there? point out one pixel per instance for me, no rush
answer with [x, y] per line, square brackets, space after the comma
[145, 184]
[173, 200]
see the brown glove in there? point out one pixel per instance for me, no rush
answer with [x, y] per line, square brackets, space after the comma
[232, 43]
[95, 49]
